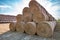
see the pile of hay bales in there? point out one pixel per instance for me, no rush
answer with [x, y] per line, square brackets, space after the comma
[35, 20]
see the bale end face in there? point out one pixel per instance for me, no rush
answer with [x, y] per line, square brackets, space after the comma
[19, 18]
[30, 28]
[12, 26]
[20, 27]
[45, 29]
[27, 16]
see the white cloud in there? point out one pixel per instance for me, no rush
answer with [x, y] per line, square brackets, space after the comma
[18, 7]
[5, 6]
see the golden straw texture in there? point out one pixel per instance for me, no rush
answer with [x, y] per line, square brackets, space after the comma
[30, 28]
[37, 11]
[27, 15]
[19, 18]
[46, 28]
[20, 27]
[12, 26]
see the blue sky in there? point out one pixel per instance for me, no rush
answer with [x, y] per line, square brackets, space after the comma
[14, 7]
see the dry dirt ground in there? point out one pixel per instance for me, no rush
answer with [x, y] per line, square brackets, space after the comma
[5, 34]
[4, 27]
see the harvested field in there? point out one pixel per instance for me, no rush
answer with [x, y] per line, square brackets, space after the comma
[4, 27]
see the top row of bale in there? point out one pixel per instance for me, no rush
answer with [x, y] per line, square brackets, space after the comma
[35, 12]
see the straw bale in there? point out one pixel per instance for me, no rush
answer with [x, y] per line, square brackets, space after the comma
[12, 26]
[30, 28]
[19, 18]
[37, 11]
[46, 28]
[20, 27]
[27, 15]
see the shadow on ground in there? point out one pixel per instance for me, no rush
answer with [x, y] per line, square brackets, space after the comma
[22, 36]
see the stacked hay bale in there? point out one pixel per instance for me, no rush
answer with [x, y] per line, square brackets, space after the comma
[19, 18]
[20, 27]
[38, 13]
[20, 23]
[30, 28]
[45, 22]
[27, 16]
[46, 29]
[35, 19]
[12, 26]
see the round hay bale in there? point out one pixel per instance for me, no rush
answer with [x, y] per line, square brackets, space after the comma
[20, 27]
[30, 28]
[37, 11]
[37, 18]
[34, 6]
[40, 12]
[26, 11]
[19, 18]
[12, 26]
[46, 28]
[27, 15]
